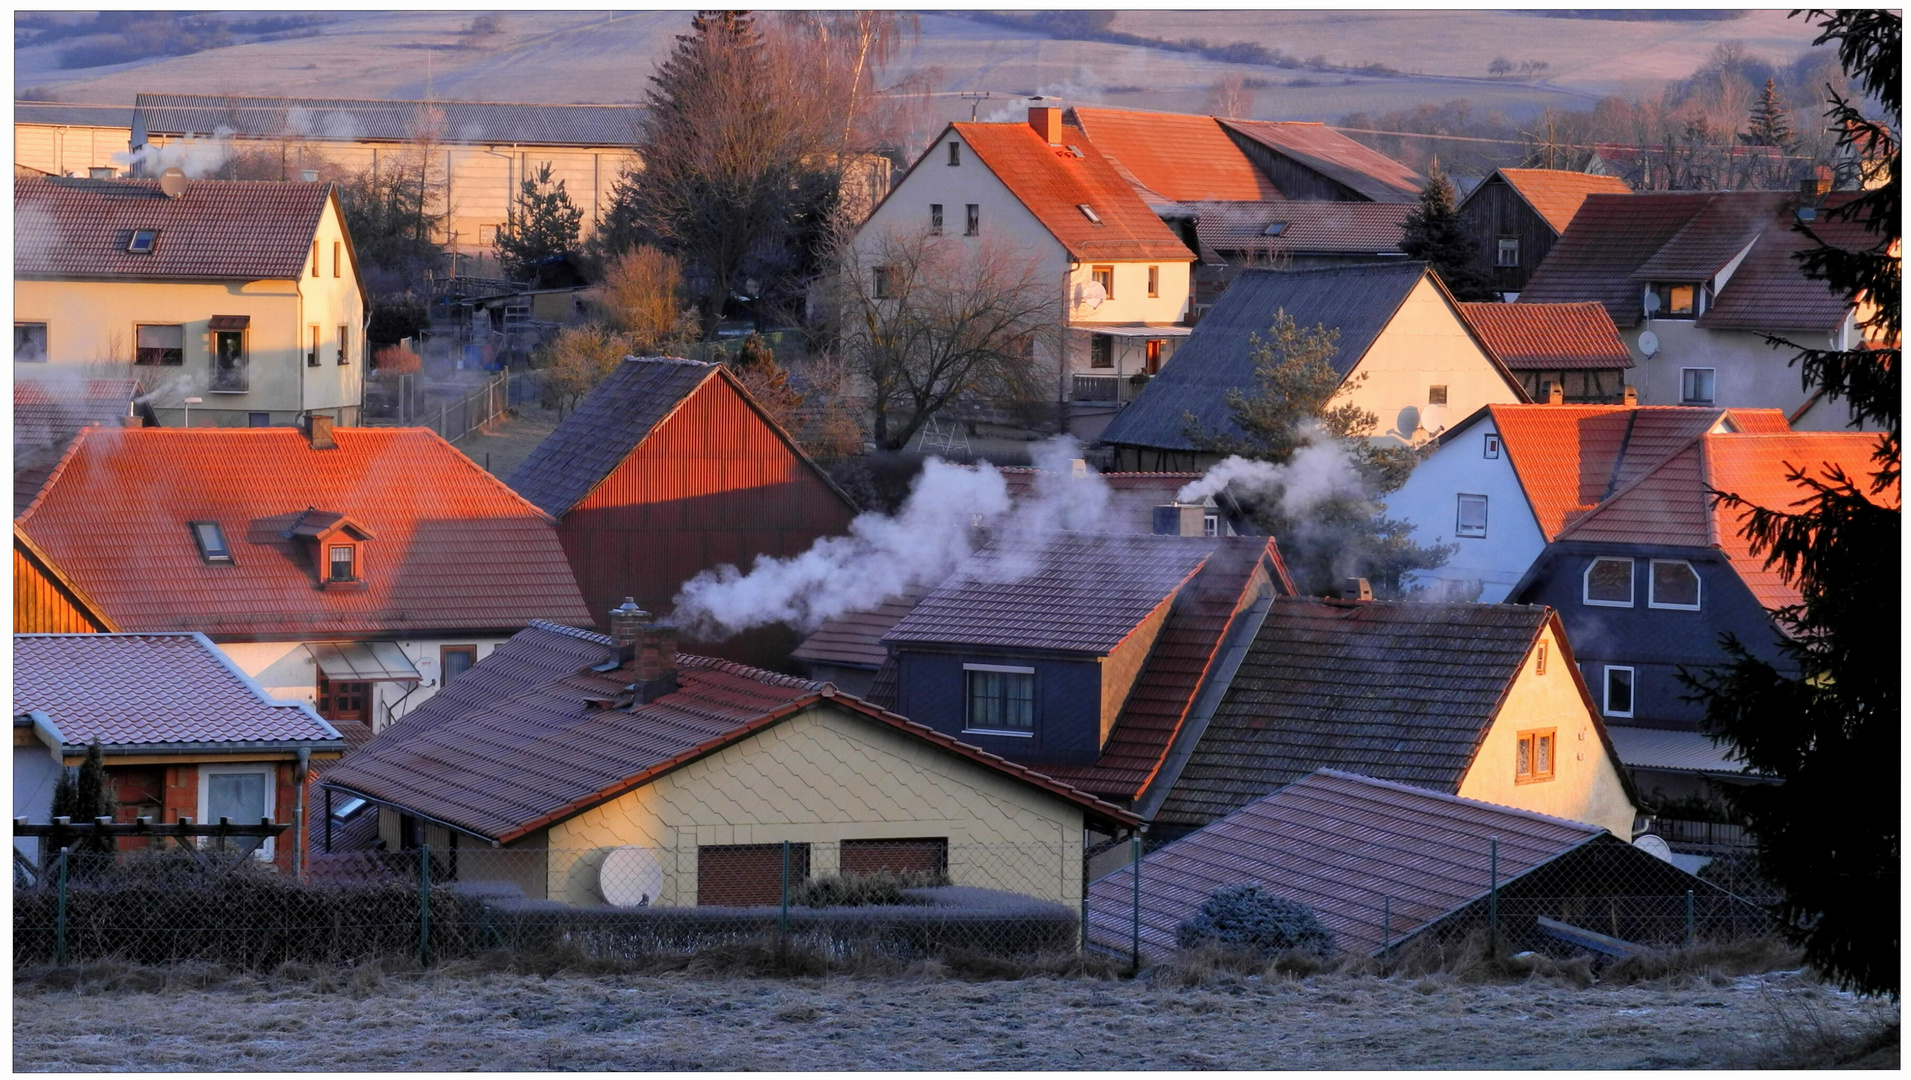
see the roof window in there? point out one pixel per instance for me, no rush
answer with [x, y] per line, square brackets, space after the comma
[211, 540]
[142, 241]
[1088, 212]
[1274, 228]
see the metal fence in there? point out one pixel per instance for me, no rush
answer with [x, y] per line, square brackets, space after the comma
[456, 417]
[899, 899]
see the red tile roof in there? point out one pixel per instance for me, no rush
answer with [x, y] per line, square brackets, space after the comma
[856, 639]
[521, 748]
[1555, 194]
[218, 229]
[1054, 184]
[170, 690]
[47, 413]
[1181, 157]
[1672, 504]
[1610, 237]
[1353, 164]
[453, 549]
[1569, 458]
[1549, 337]
[1342, 227]
[1723, 228]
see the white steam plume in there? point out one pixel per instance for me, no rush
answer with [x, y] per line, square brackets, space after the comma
[1318, 471]
[884, 556]
[195, 157]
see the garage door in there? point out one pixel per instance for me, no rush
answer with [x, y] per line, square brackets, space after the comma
[928, 855]
[747, 875]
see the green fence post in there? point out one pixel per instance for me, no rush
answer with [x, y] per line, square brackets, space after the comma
[1689, 927]
[783, 915]
[1134, 851]
[424, 904]
[59, 921]
[1493, 896]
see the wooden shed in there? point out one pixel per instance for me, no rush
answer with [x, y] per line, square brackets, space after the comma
[670, 468]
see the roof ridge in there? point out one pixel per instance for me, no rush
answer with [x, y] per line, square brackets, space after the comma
[1633, 484]
[493, 478]
[571, 631]
[1447, 798]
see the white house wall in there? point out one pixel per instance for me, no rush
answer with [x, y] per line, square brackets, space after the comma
[286, 670]
[1424, 345]
[1750, 374]
[1429, 501]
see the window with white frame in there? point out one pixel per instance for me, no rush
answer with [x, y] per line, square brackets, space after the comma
[1506, 251]
[1608, 583]
[1492, 445]
[1000, 700]
[935, 219]
[1673, 584]
[1619, 690]
[1698, 385]
[244, 795]
[1472, 516]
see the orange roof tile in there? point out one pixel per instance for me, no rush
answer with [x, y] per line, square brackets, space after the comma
[1354, 165]
[452, 546]
[1054, 184]
[1549, 336]
[1555, 194]
[1184, 158]
[1570, 458]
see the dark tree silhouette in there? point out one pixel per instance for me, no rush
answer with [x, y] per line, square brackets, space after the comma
[1433, 233]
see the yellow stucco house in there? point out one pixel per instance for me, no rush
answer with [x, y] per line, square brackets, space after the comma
[567, 759]
[1483, 701]
[242, 294]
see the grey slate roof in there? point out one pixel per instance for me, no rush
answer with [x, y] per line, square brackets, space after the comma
[604, 428]
[72, 115]
[1391, 689]
[1675, 751]
[1079, 592]
[1338, 843]
[345, 119]
[1218, 357]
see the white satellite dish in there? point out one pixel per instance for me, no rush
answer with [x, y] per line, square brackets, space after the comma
[172, 182]
[1649, 343]
[631, 877]
[1652, 302]
[1093, 294]
[1654, 846]
[1433, 419]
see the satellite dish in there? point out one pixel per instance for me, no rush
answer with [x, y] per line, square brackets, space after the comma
[1649, 343]
[172, 182]
[1654, 846]
[631, 877]
[1652, 302]
[1433, 418]
[1093, 294]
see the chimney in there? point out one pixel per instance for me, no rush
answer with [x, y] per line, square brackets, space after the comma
[1180, 519]
[1356, 588]
[1554, 394]
[309, 176]
[626, 621]
[132, 421]
[1632, 395]
[1047, 123]
[101, 172]
[322, 433]
[1078, 469]
[649, 647]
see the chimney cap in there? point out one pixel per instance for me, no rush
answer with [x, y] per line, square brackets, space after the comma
[1356, 588]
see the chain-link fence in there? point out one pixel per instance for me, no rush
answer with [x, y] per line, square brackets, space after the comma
[895, 898]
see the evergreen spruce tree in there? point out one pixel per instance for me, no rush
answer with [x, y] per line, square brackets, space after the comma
[1432, 232]
[1771, 124]
[544, 224]
[87, 793]
[1826, 722]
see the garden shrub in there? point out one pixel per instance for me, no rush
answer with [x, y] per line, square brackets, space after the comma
[1247, 916]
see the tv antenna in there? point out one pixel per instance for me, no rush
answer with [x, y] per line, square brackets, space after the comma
[975, 100]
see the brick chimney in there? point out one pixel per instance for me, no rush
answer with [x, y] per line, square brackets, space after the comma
[626, 621]
[1555, 394]
[322, 433]
[1356, 588]
[1047, 123]
[649, 647]
[1632, 395]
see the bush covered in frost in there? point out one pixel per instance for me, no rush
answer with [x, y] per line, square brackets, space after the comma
[1246, 916]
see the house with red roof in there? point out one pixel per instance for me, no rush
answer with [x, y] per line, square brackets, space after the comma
[1515, 216]
[1503, 482]
[358, 569]
[1041, 198]
[183, 731]
[1648, 581]
[47, 413]
[1696, 280]
[1572, 350]
[243, 294]
[568, 758]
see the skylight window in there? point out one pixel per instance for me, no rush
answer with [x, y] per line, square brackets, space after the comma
[1089, 212]
[212, 541]
[142, 241]
[1275, 229]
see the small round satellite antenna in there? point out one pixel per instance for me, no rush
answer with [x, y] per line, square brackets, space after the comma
[172, 182]
[1652, 303]
[1649, 343]
[631, 877]
[1093, 294]
[1654, 846]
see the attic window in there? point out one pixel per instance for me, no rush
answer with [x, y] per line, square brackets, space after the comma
[1088, 212]
[142, 241]
[211, 540]
[1274, 228]
[342, 562]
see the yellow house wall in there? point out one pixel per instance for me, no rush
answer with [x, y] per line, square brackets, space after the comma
[91, 332]
[822, 777]
[60, 148]
[1425, 345]
[1120, 668]
[1585, 785]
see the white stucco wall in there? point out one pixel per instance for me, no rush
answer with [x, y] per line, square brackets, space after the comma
[34, 773]
[1749, 373]
[1423, 346]
[286, 670]
[1429, 501]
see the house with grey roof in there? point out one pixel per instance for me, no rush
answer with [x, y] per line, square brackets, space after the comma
[1385, 864]
[1405, 354]
[184, 732]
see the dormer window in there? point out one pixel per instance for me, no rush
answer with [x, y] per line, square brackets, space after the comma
[211, 541]
[1089, 213]
[1678, 300]
[341, 562]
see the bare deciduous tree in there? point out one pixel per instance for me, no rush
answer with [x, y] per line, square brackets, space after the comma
[577, 360]
[1231, 96]
[927, 319]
